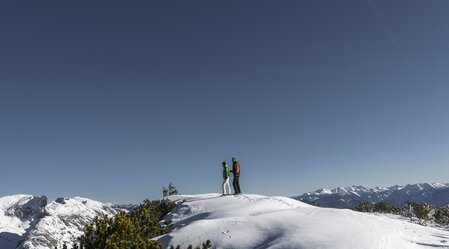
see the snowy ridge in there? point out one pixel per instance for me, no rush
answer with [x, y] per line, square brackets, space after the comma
[237, 222]
[30, 222]
[349, 197]
[255, 221]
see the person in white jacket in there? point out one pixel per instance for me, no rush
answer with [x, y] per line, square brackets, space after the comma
[226, 187]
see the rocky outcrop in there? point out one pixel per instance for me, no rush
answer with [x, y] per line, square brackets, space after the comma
[33, 208]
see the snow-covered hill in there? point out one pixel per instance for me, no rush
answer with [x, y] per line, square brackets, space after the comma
[349, 197]
[30, 222]
[254, 221]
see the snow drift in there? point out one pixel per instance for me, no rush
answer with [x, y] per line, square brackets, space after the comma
[255, 221]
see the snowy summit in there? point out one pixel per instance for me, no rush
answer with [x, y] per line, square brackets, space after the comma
[255, 221]
[32, 222]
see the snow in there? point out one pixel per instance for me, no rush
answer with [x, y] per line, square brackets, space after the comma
[11, 227]
[243, 221]
[439, 185]
[66, 221]
[46, 225]
[363, 189]
[349, 197]
[255, 221]
[323, 191]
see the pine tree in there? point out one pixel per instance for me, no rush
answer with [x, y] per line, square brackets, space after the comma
[172, 189]
[133, 230]
[129, 230]
[365, 206]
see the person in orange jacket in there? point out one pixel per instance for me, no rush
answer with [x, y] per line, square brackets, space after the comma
[236, 172]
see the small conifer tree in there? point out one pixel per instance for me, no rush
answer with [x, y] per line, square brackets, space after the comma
[207, 245]
[172, 189]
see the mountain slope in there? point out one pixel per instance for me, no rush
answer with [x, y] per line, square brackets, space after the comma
[349, 197]
[254, 221]
[30, 222]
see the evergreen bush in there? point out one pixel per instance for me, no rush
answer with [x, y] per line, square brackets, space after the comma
[133, 230]
[421, 213]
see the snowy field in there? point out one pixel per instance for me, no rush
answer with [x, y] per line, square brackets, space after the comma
[254, 221]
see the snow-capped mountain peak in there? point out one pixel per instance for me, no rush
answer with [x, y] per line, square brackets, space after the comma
[323, 191]
[31, 222]
[349, 197]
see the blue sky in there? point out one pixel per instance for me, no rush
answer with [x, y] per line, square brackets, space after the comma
[112, 100]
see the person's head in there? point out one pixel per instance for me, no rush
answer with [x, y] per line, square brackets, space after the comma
[223, 163]
[234, 160]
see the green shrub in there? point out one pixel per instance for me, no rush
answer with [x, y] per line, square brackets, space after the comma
[366, 207]
[421, 213]
[132, 230]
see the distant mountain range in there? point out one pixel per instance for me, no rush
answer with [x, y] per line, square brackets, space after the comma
[32, 222]
[349, 197]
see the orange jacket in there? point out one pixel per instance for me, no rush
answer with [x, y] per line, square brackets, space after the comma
[236, 168]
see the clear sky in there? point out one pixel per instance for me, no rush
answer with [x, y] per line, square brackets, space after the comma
[112, 100]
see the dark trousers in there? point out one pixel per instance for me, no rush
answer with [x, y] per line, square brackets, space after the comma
[236, 185]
